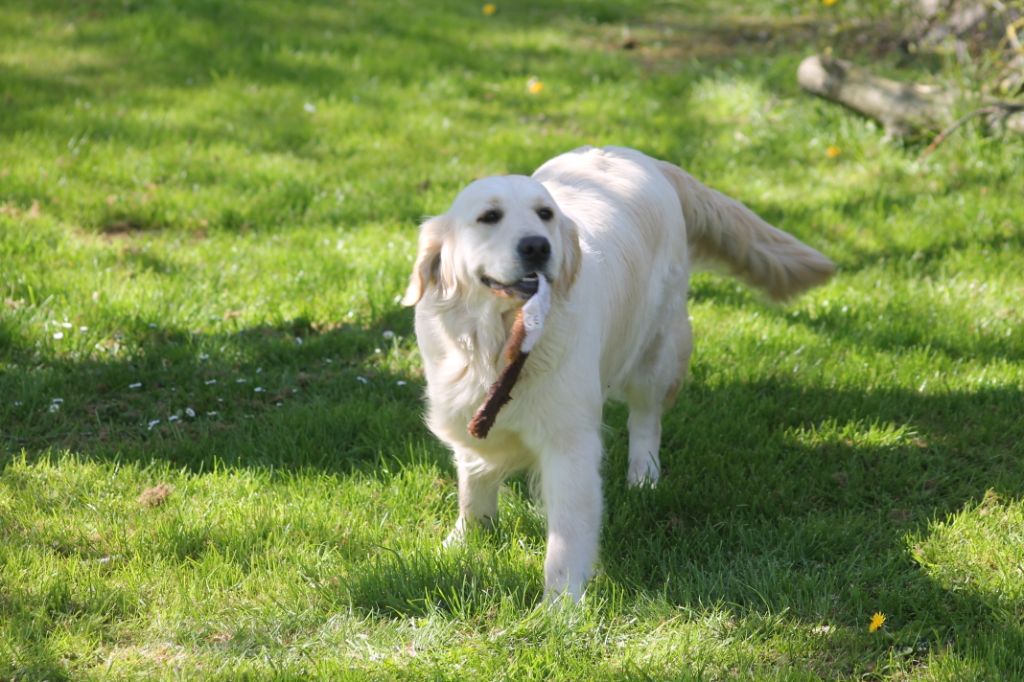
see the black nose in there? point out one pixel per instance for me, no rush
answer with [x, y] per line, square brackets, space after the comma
[534, 251]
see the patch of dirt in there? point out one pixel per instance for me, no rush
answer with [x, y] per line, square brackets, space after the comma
[155, 496]
[123, 227]
[663, 41]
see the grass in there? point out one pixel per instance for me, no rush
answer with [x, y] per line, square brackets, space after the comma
[207, 211]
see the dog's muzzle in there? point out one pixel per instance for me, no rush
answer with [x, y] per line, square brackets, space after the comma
[523, 289]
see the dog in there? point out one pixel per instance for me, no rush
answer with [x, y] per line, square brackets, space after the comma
[615, 233]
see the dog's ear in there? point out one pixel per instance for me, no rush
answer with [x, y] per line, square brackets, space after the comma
[572, 255]
[426, 270]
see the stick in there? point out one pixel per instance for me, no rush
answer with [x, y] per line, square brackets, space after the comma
[1007, 108]
[523, 336]
[501, 390]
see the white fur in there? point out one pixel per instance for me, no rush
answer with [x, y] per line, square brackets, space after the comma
[623, 232]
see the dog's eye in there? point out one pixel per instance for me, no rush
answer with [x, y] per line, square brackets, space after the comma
[490, 217]
[545, 214]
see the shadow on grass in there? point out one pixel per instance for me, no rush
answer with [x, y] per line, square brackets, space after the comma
[751, 519]
[291, 395]
[884, 326]
[322, 52]
[263, 45]
[759, 526]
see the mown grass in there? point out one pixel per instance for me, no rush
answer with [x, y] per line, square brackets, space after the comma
[207, 211]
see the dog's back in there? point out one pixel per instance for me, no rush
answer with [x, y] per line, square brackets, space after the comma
[635, 252]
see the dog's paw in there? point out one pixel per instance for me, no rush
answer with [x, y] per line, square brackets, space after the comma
[643, 473]
[464, 526]
[457, 537]
[561, 591]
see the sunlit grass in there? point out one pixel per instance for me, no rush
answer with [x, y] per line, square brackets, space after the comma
[207, 213]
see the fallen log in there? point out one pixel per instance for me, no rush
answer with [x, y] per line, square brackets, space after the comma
[902, 108]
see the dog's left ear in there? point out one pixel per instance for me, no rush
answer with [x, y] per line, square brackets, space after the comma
[426, 270]
[572, 255]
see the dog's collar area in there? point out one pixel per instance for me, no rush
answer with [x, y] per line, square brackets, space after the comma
[524, 288]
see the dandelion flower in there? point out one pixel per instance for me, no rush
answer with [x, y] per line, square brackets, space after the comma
[534, 86]
[833, 151]
[877, 621]
[829, 3]
[489, 9]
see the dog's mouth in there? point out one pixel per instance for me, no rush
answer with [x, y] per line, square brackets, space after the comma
[523, 289]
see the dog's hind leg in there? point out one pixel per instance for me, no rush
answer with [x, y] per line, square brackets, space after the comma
[651, 389]
[644, 438]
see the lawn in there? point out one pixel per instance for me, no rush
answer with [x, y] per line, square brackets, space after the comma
[212, 456]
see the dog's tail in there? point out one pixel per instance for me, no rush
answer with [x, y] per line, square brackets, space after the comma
[724, 231]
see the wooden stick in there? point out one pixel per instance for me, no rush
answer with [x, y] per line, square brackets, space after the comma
[501, 390]
[525, 332]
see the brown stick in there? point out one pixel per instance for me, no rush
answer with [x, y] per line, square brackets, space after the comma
[941, 137]
[501, 390]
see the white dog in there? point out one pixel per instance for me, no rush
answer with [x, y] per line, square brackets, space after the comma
[614, 232]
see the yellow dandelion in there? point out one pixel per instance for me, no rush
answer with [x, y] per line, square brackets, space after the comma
[829, 3]
[534, 86]
[833, 151]
[489, 9]
[877, 621]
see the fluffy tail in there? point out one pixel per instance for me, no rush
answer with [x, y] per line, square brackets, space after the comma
[724, 231]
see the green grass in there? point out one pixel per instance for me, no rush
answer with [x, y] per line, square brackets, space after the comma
[216, 203]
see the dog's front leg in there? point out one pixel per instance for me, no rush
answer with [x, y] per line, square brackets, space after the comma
[571, 486]
[478, 494]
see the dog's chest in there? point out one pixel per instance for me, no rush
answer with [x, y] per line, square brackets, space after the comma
[462, 358]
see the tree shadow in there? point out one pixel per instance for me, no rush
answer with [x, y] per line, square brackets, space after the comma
[290, 395]
[823, 533]
[760, 522]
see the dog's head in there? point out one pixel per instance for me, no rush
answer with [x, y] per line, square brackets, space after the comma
[498, 237]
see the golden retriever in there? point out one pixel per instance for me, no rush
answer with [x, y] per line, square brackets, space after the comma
[615, 233]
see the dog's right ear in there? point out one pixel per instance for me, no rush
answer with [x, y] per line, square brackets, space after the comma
[426, 270]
